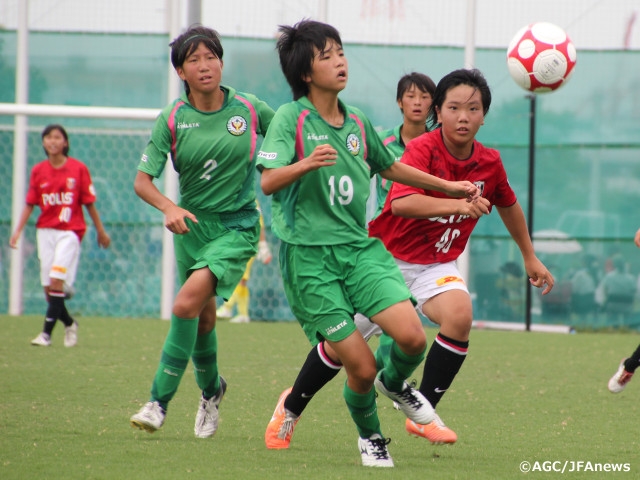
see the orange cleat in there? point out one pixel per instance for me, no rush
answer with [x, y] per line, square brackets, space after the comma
[280, 428]
[436, 432]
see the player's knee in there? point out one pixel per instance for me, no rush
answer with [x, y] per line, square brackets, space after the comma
[360, 379]
[413, 344]
[458, 327]
[182, 309]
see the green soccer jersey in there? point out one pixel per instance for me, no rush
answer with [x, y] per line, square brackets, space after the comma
[213, 152]
[326, 206]
[393, 141]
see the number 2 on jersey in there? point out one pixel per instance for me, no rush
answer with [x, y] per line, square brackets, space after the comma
[209, 166]
[345, 190]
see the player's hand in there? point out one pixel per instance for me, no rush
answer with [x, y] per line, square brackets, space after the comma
[174, 219]
[264, 252]
[476, 208]
[463, 189]
[322, 156]
[13, 241]
[636, 240]
[539, 276]
[104, 240]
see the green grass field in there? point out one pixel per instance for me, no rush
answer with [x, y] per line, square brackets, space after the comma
[64, 413]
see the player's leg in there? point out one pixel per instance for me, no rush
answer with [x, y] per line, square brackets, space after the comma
[625, 372]
[359, 364]
[46, 247]
[58, 252]
[70, 324]
[448, 304]
[308, 284]
[379, 291]
[451, 310]
[205, 366]
[319, 368]
[405, 353]
[178, 347]
[226, 257]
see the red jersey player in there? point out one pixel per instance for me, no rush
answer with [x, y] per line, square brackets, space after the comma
[426, 232]
[60, 186]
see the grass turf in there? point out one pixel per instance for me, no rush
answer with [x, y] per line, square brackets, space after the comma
[64, 413]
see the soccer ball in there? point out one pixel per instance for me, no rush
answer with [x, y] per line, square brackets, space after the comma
[541, 57]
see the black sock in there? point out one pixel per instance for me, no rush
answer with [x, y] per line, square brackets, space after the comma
[633, 362]
[56, 303]
[66, 317]
[444, 359]
[317, 371]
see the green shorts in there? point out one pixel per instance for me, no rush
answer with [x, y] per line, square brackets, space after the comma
[224, 243]
[326, 285]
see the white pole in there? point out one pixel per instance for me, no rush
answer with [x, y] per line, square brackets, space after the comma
[170, 180]
[470, 36]
[323, 11]
[19, 156]
[469, 62]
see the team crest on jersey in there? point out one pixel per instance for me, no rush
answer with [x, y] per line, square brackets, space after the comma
[353, 144]
[237, 125]
[480, 185]
[71, 183]
[448, 279]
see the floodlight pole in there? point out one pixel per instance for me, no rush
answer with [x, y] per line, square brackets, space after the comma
[532, 174]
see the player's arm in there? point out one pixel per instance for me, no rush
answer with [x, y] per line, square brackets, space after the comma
[513, 218]
[408, 175]
[174, 216]
[275, 179]
[637, 238]
[103, 238]
[22, 221]
[425, 206]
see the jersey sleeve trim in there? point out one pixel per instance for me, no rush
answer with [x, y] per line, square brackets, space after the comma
[171, 122]
[388, 140]
[254, 124]
[300, 134]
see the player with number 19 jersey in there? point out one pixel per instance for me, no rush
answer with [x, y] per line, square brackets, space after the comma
[440, 239]
[326, 206]
[60, 192]
[211, 177]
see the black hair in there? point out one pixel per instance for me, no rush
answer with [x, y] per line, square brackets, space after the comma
[420, 80]
[54, 126]
[296, 51]
[186, 43]
[471, 77]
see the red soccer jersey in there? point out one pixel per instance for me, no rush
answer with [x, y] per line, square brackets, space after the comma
[60, 193]
[440, 239]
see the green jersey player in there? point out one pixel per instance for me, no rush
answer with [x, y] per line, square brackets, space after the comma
[317, 161]
[210, 134]
[414, 93]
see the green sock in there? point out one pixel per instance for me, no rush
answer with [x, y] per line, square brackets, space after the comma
[205, 363]
[398, 367]
[383, 351]
[176, 351]
[363, 410]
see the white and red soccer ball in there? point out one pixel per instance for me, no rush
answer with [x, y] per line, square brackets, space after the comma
[541, 57]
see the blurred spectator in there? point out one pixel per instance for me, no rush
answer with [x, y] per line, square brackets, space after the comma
[583, 292]
[616, 291]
